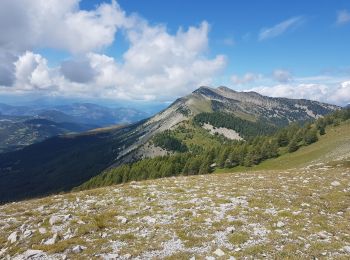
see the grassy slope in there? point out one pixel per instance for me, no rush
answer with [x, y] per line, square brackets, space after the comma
[336, 138]
[194, 135]
[178, 218]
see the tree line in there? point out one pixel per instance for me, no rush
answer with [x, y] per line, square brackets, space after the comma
[243, 153]
[245, 128]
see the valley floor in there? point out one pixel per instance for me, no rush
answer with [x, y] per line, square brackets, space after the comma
[298, 213]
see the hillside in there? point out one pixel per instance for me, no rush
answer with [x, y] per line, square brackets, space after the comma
[277, 210]
[60, 163]
[21, 126]
[63, 163]
[18, 132]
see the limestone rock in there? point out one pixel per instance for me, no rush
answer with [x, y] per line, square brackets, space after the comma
[219, 252]
[13, 237]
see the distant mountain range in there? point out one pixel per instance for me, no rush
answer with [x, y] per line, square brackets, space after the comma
[24, 125]
[63, 162]
[77, 113]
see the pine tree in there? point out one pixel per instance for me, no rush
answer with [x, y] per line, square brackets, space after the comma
[310, 136]
[293, 146]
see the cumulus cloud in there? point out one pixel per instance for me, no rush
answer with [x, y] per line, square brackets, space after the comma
[159, 64]
[32, 72]
[280, 28]
[341, 95]
[156, 65]
[281, 75]
[337, 94]
[343, 17]
[58, 24]
[77, 70]
[7, 68]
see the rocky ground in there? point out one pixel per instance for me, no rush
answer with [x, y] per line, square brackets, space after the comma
[228, 133]
[297, 214]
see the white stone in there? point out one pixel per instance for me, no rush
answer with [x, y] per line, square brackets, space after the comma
[13, 237]
[335, 183]
[219, 252]
[122, 219]
[323, 235]
[67, 217]
[52, 240]
[111, 257]
[55, 220]
[42, 230]
[346, 249]
[32, 254]
[27, 233]
[149, 220]
[230, 229]
[210, 258]
[280, 224]
[78, 249]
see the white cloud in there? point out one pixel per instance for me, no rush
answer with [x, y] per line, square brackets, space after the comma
[281, 75]
[32, 72]
[77, 70]
[341, 95]
[58, 24]
[343, 17]
[280, 28]
[337, 94]
[247, 78]
[156, 65]
[7, 68]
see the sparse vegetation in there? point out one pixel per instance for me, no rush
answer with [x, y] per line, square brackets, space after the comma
[244, 214]
[227, 154]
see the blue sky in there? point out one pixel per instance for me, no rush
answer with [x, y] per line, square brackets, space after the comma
[315, 45]
[158, 50]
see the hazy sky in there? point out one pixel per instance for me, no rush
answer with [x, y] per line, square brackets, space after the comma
[158, 50]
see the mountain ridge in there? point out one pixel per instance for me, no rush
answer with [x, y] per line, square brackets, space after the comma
[130, 143]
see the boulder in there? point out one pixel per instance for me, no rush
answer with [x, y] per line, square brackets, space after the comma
[78, 249]
[335, 183]
[27, 233]
[52, 240]
[219, 252]
[13, 237]
[32, 254]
